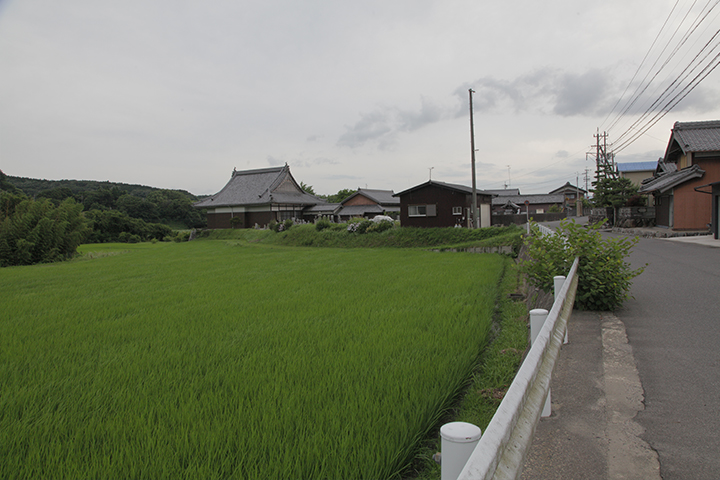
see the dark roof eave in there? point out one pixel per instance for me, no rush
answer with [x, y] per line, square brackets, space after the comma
[446, 186]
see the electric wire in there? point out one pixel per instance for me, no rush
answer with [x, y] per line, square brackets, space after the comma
[641, 64]
[672, 87]
[673, 102]
[632, 133]
[633, 98]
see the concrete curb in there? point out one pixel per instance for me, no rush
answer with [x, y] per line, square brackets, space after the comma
[597, 393]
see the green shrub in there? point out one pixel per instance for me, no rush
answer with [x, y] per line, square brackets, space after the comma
[604, 277]
[322, 224]
[183, 236]
[380, 226]
[363, 226]
[39, 231]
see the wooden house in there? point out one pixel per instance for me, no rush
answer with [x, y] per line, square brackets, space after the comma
[439, 204]
[534, 204]
[257, 197]
[367, 203]
[573, 196]
[692, 159]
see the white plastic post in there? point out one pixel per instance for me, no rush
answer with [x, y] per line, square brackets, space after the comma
[559, 281]
[458, 441]
[537, 319]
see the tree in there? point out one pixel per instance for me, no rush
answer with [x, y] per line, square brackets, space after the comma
[307, 188]
[57, 195]
[38, 231]
[613, 192]
[176, 206]
[115, 226]
[340, 195]
[7, 186]
[137, 207]
[102, 199]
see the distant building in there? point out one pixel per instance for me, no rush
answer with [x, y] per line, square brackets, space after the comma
[572, 202]
[367, 203]
[439, 204]
[536, 204]
[637, 171]
[692, 160]
[257, 197]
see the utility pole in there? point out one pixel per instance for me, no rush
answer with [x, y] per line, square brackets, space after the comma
[578, 203]
[476, 219]
[605, 162]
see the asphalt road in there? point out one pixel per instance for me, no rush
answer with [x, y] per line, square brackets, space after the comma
[673, 326]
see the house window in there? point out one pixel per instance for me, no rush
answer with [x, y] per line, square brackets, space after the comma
[457, 210]
[540, 210]
[421, 210]
[417, 211]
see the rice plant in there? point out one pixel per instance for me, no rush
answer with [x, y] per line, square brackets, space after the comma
[213, 360]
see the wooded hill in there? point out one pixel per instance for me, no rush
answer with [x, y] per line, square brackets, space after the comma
[150, 204]
[33, 186]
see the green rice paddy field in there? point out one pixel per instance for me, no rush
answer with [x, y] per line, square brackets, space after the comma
[213, 359]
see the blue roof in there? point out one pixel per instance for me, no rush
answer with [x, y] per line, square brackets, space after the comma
[637, 166]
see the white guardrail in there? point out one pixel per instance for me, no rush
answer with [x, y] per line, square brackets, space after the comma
[543, 229]
[501, 450]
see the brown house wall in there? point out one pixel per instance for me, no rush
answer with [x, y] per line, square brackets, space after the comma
[261, 218]
[693, 210]
[359, 200]
[444, 200]
[218, 220]
[247, 220]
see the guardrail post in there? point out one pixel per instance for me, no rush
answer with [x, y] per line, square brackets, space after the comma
[558, 282]
[537, 319]
[458, 440]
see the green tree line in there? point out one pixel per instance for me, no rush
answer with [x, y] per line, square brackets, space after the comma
[50, 226]
[153, 205]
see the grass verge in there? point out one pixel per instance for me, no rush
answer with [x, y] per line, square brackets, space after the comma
[495, 372]
[398, 237]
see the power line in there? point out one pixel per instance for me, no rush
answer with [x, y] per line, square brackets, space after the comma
[626, 108]
[674, 85]
[670, 105]
[679, 86]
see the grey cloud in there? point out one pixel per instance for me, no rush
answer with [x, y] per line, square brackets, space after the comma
[274, 162]
[371, 126]
[702, 99]
[429, 113]
[383, 124]
[544, 90]
[580, 94]
[313, 162]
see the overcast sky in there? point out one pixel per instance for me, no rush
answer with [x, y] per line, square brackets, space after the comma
[365, 93]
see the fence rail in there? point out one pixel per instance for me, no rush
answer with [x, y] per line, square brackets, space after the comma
[501, 451]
